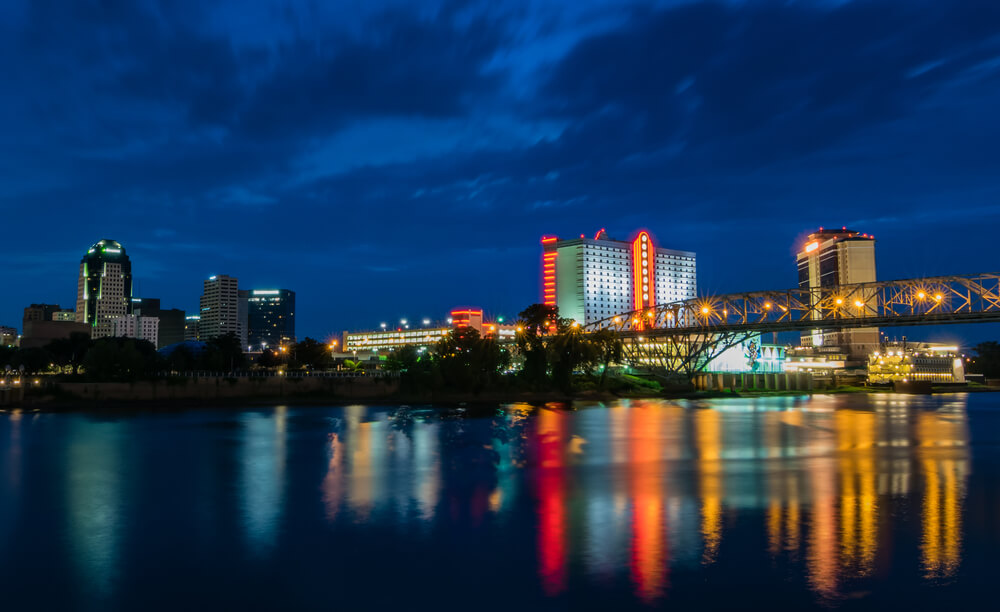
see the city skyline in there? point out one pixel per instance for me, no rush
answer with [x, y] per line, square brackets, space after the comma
[398, 150]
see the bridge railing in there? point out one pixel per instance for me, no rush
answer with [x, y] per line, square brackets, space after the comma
[941, 299]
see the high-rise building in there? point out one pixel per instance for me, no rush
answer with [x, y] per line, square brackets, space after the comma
[171, 328]
[135, 326]
[191, 323]
[838, 257]
[590, 279]
[270, 316]
[220, 309]
[8, 336]
[104, 287]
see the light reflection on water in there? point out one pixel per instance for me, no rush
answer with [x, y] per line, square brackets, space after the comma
[826, 493]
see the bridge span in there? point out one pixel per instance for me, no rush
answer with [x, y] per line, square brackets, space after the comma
[682, 337]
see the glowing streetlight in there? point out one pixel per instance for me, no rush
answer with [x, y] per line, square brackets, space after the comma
[839, 301]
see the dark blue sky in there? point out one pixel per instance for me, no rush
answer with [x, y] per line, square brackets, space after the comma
[396, 158]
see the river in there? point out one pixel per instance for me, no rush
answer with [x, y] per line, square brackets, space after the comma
[842, 502]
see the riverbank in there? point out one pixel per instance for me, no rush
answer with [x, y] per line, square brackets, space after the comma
[224, 393]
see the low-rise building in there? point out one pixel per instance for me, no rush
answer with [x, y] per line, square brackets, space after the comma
[403, 335]
[8, 336]
[135, 326]
[38, 333]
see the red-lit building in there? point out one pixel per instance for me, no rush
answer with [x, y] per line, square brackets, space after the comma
[590, 279]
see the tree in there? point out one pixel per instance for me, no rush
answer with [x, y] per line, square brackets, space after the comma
[570, 350]
[535, 323]
[987, 361]
[268, 359]
[313, 354]
[32, 360]
[70, 351]
[353, 366]
[609, 350]
[467, 361]
[120, 359]
[224, 354]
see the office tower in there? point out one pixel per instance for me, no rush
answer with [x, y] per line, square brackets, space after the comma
[220, 309]
[270, 316]
[830, 258]
[104, 287]
[590, 279]
[191, 323]
[172, 322]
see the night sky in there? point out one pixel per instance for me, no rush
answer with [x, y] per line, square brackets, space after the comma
[396, 158]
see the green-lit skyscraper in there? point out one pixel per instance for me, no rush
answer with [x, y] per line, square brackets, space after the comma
[104, 287]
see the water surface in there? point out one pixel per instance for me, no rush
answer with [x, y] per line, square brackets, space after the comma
[848, 502]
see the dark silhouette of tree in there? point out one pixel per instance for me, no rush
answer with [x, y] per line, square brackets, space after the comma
[224, 354]
[181, 360]
[32, 360]
[609, 349]
[313, 354]
[268, 359]
[987, 360]
[467, 361]
[120, 359]
[70, 351]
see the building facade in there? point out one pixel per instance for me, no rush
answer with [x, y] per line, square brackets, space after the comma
[270, 317]
[459, 318]
[220, 309]
[191, 323]
[104, 287]
[47, 312]
[135, 326]
[590, 279]
[8, 336]
[838, 257]
[171, 326]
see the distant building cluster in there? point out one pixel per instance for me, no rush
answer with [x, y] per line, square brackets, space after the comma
[588, 279]
[107, 307]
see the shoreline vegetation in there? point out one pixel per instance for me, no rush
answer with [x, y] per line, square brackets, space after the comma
[62, 402]
[551, 360]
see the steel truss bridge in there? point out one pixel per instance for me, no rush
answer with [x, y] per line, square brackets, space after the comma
[682, 337]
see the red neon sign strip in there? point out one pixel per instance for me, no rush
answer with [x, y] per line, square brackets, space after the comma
[640, 298]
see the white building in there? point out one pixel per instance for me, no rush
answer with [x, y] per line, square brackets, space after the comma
[134, 326]
[590, 279]
[220, 309]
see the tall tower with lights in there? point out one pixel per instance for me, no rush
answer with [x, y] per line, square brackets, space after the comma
[833, 257]
[104, 287]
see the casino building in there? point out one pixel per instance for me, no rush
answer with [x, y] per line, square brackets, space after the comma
[590, 279]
